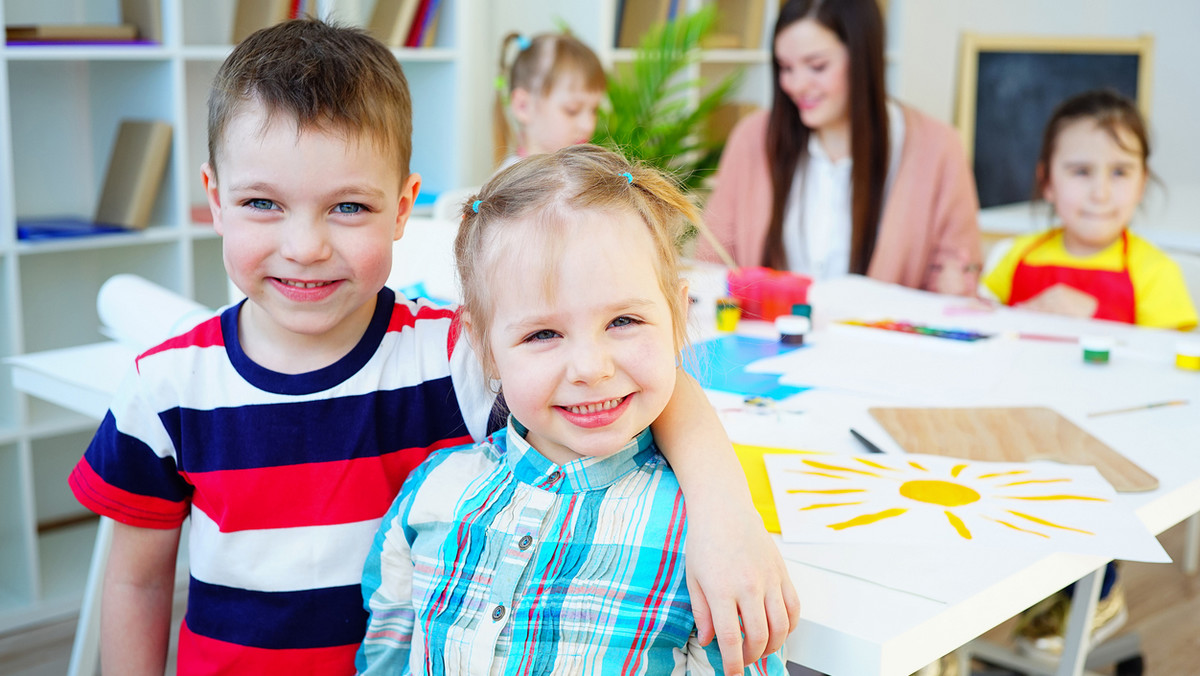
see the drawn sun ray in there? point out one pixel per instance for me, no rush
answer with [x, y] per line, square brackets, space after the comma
[959, 526]
[1015, 527]
[872, 463]
[828, 491]
[1027, 482]
[1052, 497]
[866, 519]
[993, 475]
[837, 468]
[823, 505]
[1043, 522]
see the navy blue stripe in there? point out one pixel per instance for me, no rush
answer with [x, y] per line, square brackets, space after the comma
[129, 464]
[317, 618]
[325, 430]
[313, 381]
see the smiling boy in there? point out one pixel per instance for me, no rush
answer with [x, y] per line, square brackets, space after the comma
[285, 426]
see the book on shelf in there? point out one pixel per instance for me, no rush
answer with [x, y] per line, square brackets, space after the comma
[739, 25]
[421, 32]
[135, 172]
[71, 33]
[251, 15]
[391, 21]
[639, 16]
[431, 27]
[146, 15]
[59, 227]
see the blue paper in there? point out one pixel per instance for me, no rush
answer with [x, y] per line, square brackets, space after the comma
[720, 364]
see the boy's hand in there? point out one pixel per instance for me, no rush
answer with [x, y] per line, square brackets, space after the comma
[1061, 299]
[735, 573]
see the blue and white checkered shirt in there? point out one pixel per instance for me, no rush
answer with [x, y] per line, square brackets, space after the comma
[494, 560]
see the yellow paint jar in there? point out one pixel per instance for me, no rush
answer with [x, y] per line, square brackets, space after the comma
[1187, 355]
[728, 314]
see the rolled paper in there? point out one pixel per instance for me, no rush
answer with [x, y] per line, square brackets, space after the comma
[141, 314]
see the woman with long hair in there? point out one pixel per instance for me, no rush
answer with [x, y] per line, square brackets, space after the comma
[836, 178]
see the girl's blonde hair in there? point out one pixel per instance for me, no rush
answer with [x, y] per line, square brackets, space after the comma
[538, 64]
[546, 191]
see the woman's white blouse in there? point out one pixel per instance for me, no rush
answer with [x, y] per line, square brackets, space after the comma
[816, 220]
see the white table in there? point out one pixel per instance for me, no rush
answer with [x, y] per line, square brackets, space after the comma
[854, 626]
[850, 625]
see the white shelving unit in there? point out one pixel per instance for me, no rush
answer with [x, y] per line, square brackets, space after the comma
[59, 109]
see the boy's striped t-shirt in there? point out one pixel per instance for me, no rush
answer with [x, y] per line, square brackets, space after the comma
[285, 477]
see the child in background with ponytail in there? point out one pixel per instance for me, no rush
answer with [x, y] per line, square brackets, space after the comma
[547, 95]
[1092, 169]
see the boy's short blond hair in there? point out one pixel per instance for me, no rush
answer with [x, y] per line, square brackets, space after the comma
[325, 76]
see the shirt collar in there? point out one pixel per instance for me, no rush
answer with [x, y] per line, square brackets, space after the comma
[584, 474]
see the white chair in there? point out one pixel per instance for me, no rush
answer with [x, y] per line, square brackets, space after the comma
[425, 255]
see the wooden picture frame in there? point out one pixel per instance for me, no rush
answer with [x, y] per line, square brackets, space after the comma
[1009, 85]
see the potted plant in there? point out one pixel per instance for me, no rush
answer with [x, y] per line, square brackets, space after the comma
[653, 113]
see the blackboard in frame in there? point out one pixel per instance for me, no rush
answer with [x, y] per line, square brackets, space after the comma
[1009, 85]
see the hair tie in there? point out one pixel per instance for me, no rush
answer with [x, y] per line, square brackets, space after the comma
[522, 43]
[475, 205]
[628, 177]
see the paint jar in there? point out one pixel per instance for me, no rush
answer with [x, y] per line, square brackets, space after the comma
[1187, 355]
[728, 314]
[1096, 349]
[792, 328]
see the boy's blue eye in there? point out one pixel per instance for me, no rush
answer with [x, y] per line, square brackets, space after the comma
[265, 205]
[349, 208]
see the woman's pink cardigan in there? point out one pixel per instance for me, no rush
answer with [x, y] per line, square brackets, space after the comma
[930, 218]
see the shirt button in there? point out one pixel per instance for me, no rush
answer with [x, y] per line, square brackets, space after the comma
[524, 542]
[555, 476]
[498, 614]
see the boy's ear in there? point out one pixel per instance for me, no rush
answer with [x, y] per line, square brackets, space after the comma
[521, 102]
[208, 176]
[408, 200]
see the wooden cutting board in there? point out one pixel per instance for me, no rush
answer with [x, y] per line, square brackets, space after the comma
[1009, 435]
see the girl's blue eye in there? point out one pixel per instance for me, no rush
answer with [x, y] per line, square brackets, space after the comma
[544, 334]
[623, 321]
[349, 208]
[265, 205]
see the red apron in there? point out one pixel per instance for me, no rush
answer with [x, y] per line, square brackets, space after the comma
[1113, 288]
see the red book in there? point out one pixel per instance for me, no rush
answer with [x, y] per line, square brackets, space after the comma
[418, 25]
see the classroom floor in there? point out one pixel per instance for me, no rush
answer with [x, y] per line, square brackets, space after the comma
[1164, 609]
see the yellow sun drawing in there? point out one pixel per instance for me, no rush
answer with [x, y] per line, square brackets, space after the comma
[962, 492]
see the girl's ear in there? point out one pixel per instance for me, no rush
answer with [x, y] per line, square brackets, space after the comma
[1043, 179]
[521, 102]
[481, 351]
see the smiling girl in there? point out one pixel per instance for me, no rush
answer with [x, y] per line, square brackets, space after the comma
[556, 545]
[1092, 169]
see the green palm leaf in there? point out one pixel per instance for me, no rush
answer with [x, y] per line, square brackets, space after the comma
[655, 110]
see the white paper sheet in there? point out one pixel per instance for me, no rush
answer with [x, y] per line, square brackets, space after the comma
[925, 499]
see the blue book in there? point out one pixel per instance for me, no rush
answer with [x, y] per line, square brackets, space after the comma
[65, 226]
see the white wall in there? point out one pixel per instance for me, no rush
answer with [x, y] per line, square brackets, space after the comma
[924, 50]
